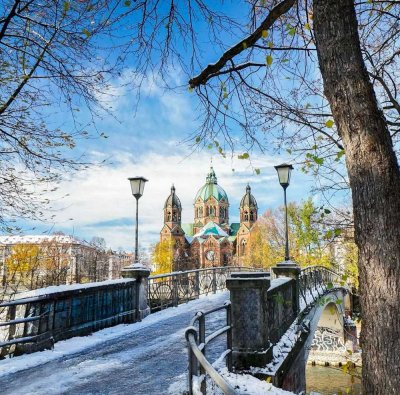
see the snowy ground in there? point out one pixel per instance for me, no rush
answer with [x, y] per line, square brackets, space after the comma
[146, 358]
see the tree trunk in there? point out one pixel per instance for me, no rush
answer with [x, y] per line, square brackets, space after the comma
[375, 183]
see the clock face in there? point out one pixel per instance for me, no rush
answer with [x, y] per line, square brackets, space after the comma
[210, 255]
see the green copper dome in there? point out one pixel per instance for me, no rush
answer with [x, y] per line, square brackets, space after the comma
[211, 188]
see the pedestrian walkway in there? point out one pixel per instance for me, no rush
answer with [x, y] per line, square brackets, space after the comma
[146, 358]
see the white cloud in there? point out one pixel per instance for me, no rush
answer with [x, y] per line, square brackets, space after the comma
[101, 204]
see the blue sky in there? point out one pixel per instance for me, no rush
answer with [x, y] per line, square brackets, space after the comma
[148, 142]
[146, 139]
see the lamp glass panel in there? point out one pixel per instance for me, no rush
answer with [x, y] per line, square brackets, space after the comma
[135, 186]
[141, 188]
[284, 175]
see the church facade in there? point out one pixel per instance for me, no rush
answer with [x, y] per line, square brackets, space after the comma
[210, 240]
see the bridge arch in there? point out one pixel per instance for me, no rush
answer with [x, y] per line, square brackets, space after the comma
[326, 326]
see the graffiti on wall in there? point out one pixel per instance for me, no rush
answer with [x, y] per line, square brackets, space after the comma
[327, 339]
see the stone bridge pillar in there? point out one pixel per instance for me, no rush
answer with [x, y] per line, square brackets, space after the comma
[250, 331]
[141, 275]
[292, 270]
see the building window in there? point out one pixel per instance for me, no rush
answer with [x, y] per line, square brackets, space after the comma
[251, 216]
[243, 252]
[246, 216]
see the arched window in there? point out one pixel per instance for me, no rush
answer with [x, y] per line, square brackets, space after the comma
[174, 216]
[251, 216]
[243, 252]
[169, 216]
[246, 216]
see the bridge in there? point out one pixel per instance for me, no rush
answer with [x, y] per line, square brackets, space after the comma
[285, 302]
[271, 327]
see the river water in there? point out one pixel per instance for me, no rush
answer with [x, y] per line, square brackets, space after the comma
[330, 381]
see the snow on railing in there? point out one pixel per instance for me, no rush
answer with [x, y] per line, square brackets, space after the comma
[50, 314]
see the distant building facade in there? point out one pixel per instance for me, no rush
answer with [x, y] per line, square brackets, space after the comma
[34, 261]
[210, 240]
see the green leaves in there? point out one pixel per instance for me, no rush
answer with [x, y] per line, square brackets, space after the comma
[66, 6]
[258, 171]
[329, 285]
[291, 30]
[245, 155]
[127, 3]
[315, 158]
[264, 34]
[339, 155]
[86, 33]
[269, 60]
[329, 123]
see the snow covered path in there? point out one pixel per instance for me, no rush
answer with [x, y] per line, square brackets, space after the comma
[142, 358]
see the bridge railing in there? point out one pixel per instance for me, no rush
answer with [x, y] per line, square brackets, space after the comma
[51, 314]
[172, 289]
[199, 366]
[56, 313]
[271, 322]
[314, 281]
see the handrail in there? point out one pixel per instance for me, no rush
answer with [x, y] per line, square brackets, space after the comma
[202, 270]
[191, 335]
[197, 342]
[312, 278]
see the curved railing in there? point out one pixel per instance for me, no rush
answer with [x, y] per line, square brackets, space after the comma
[315, 281]
[197, 341]
[172, 289]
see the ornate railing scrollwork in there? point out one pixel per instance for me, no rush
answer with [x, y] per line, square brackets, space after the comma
[171, 289]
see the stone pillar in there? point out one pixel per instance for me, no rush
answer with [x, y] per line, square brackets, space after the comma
[292, 270]
[250, 332]
[141, 275]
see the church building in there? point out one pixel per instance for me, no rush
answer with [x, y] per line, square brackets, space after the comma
[210, 240]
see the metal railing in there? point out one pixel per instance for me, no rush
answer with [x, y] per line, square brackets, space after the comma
[35, 323]
[315, 281]
[172, 289]
[311, 279]
[197, 340]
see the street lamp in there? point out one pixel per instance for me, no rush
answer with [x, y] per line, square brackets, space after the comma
[137, 186]
[284, 171]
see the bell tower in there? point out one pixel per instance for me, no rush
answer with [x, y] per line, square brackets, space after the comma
[248, 217]
[248, 209]
[172, 220]
[172, 209]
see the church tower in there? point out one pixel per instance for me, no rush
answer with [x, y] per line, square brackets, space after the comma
[248, 217]
[211, 204]
[172, 219]
[248, 208]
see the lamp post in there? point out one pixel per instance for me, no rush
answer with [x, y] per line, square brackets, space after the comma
[137, 186]
[284, 171]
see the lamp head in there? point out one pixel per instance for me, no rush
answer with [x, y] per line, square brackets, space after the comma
[137, 186]
[284, 171]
